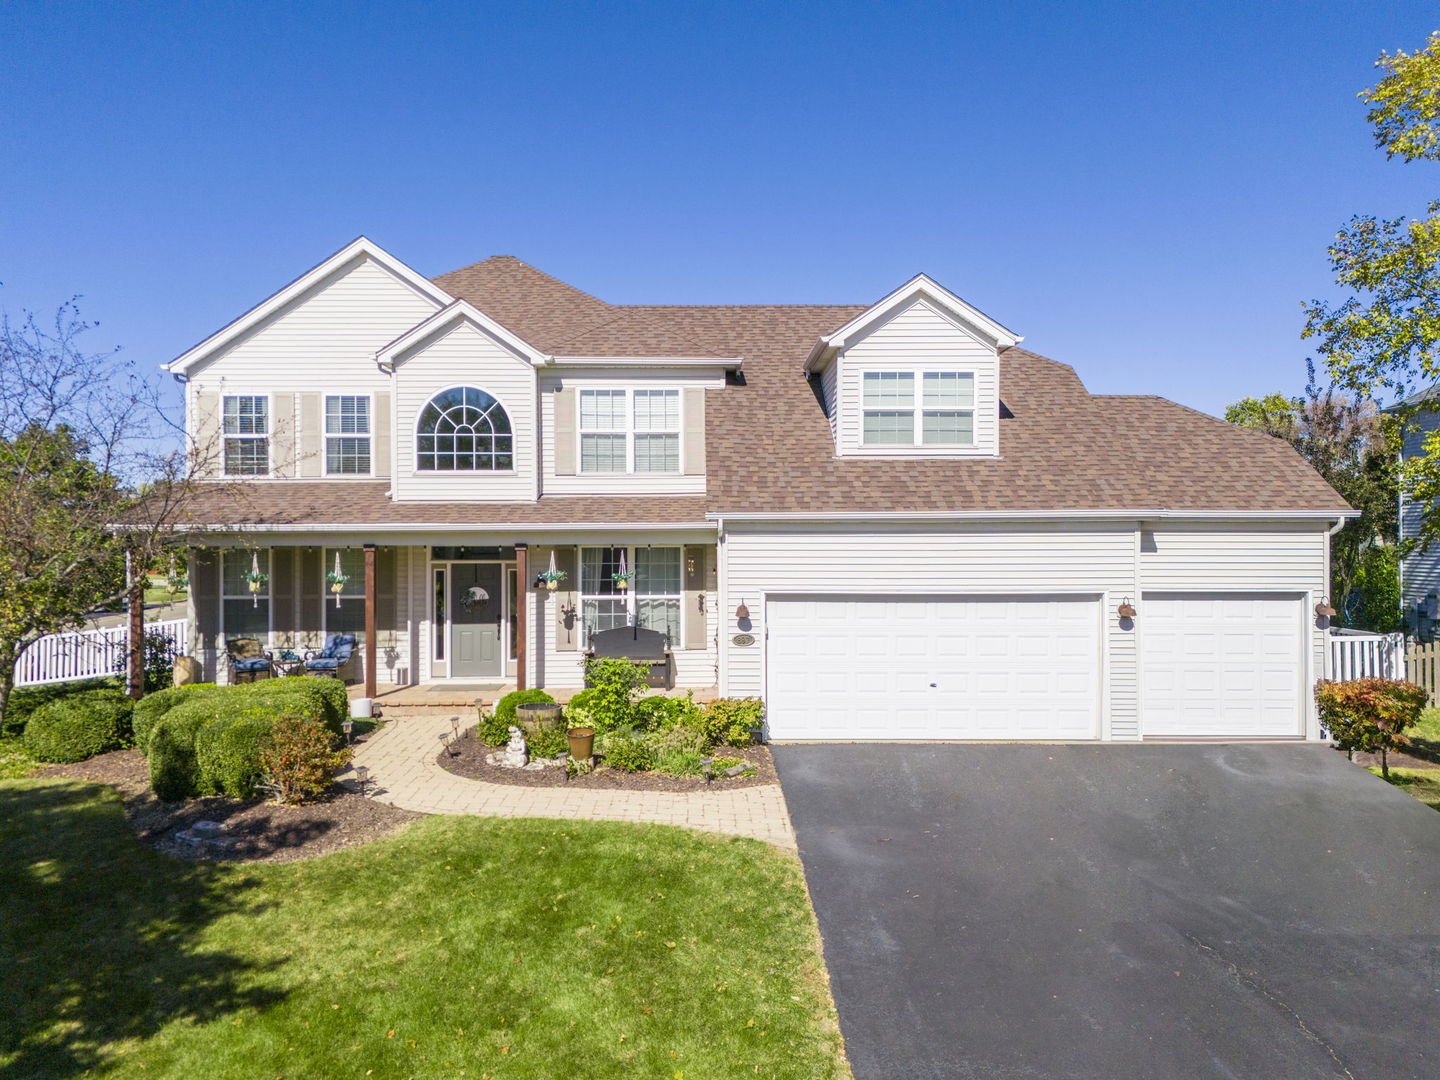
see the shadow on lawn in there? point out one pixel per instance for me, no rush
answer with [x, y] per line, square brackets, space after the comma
[99, 936]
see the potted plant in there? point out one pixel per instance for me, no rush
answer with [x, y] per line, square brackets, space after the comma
[552, 578]
[255, 580]
[337, 579]
[622, 576]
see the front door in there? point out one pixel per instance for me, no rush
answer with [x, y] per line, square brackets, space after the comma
[477, 617]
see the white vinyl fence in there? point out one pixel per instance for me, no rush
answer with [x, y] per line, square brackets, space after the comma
[87, 654]
[1359, 654]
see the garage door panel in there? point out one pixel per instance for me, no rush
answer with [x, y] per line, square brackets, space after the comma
[933, 668]
[1222, 665]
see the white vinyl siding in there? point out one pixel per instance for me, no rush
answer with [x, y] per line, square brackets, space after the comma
[347, 435]
[917, 385]
[245, 422]
[460, 356]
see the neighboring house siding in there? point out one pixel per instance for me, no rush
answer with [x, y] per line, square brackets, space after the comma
[924, 561]
[578, 483]
[919, 338]
[465, 356]
[1420, 571]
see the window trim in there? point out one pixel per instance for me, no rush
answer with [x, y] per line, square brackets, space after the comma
[629, 596]
[918, 410]
[267, 438]
[244, 553]
[630, 431]
[325, 435]
[417, 435]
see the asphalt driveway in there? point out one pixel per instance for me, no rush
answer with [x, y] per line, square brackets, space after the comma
[1109, 913]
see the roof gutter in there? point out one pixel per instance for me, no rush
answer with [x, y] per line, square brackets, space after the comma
[433, 527]
[1042, 515]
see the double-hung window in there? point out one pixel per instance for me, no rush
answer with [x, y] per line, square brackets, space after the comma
[244, 613]
[347, 435]
[652, 600]
[630, 431]
[347, 617]
[908, 408]
[246, 431]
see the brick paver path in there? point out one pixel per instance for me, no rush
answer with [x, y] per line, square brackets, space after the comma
[404, 773]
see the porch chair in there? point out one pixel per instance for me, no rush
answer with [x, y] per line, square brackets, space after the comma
[247, 660]
[332, 658]
[639, 646]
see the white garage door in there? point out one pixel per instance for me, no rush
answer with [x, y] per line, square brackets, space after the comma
[1221, 665]
[949, 668]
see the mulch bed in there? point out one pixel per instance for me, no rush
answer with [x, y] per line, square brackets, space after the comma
[259, 831]
[470, 762]
[1398, 760]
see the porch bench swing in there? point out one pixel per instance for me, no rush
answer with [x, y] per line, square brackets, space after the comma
[639, 646]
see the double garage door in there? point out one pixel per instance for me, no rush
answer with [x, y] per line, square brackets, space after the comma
[861, 667]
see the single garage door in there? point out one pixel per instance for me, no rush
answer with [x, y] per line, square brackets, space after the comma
[937, 668]
[1221, 665]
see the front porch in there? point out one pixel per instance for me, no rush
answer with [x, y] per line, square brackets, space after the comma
[447, 694]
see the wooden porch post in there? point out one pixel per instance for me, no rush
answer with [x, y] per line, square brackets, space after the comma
[370, 621]
[522, 611]
[135, 656]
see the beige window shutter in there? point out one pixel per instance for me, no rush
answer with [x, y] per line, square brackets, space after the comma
[312, 436]
[282, 596]
[564, 433]
[696, 634]
[312, 595]
[205, 592]
[284, 438]
[380, 435]
[565, 601]
[387, 607]
[205, 427]
[694, 421]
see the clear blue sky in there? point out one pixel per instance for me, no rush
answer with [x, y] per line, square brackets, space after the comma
[1144, 190]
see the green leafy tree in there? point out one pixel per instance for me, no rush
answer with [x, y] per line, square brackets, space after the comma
[89, 474]
[1383, 336]
[1354, 446]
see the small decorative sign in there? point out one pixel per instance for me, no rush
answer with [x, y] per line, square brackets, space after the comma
[743, 639]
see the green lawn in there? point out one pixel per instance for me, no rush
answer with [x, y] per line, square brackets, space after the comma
[1424, 784]
[466, 947]
[1425, 736]
[14, 761]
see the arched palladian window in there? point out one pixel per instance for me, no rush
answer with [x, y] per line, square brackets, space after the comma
[464, 430]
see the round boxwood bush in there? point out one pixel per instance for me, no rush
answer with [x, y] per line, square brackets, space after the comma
[505, 708]
[150, 709]
[73, 729]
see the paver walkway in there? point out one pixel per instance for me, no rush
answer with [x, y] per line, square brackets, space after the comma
[404, 773]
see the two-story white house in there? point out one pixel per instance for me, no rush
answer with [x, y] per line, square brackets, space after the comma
[889, 521]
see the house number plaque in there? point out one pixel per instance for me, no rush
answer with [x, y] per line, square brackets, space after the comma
[743, 639]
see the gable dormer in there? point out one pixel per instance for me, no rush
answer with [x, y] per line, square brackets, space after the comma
[916, 375]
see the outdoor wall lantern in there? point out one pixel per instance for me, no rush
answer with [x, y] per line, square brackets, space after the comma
[742, 612]
[1126, 610]
[1323, 608]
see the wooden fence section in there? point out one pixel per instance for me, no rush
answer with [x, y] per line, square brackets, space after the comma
[1422, 665]
[87, 654]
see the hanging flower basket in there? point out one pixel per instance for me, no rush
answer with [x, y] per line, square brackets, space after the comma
[622, 576]
[552, 578]
[255, 580]
[336, 579]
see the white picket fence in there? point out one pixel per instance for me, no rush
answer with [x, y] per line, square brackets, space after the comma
[1359, 654]
[87, 654]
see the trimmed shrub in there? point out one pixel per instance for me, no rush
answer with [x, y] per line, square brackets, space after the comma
[1370, 714]
[25, 700]
[227, 756]
[78, 727]
[505, 707]
[614, 685]
[299, 755]
[546, 740]
[660, 713]
[628, 751]
[150, 708]
[491, 730]
[729, 720]
[174, 773]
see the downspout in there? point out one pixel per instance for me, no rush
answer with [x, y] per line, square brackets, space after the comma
[1326, 665]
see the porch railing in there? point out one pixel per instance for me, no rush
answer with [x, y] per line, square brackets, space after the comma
[87, 654]
[1359, 654]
